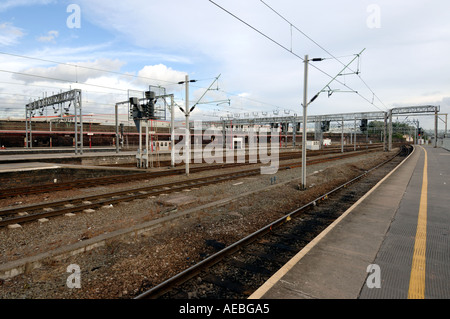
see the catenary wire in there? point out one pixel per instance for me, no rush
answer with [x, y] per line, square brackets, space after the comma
[292, 52]
[320, 46]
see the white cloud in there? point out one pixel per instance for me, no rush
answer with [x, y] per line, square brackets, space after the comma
[160, 74]
[9, 34]
[71, 72]
[9, 4]
[50, 37]
[163, 40]
[101, 80]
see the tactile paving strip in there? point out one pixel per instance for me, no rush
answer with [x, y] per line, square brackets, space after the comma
[396, 253]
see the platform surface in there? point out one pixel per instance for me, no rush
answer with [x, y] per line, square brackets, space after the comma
[30, 156]
[23, 167]
[393, 244]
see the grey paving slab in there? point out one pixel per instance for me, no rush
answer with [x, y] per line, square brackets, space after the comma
[336, 265]
[14, 167]
[396, 254]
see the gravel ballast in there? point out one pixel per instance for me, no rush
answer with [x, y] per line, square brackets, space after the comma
[122, 266]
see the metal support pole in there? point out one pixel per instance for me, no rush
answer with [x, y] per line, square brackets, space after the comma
[305, 121]
[342, 138]
[446, 115]
[28, 134]
[415, 136]
[417, 133]
[385, 132]
[78, 123]
[436, 117]
[76, 128]
[224, 137]
[294, 133]
[150, 141]
[26, 128]
[81, 126]
[354, 140]
[51, 139]
[286, 130]
[188, 145]
[367, 138]
[147, 143]
[188, 135]
[117, 129]
[139, 153]
[172, 130]
[390, 131]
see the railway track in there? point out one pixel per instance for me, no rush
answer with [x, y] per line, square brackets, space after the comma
[94, 182]
[236, 271]
[287, 155]
[20, 215]
[118, 179]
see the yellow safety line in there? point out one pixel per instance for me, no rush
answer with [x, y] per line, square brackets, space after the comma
[417, 279]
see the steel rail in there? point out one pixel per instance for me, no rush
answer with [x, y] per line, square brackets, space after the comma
[116, 197]
[27, 190]
[189, 273]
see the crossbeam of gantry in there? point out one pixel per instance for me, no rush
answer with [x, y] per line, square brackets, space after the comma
[73, 96]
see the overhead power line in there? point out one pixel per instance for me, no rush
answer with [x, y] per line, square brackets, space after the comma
[105, 87]
[88, 68]
[60, 80]
[328, 52]
[291, 52]
[77, 66]
[97, 70]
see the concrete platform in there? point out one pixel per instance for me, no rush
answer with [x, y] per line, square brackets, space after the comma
[53, 150]
[23, 167]
[392, 244]
[23, 174]
[64, 158]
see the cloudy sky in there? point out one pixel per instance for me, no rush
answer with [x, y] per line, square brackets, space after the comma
[106, 48]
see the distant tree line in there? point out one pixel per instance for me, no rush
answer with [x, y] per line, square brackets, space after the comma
[398, 129]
